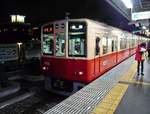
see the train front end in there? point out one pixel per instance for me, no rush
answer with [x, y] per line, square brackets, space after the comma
[64, 56]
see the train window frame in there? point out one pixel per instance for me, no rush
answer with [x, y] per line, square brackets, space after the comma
[77, 34]
[56, 26]
[123, 41]
[114, 43]
[51, 48]
[62, 25]
[112, 46]
[97, 46]
[83, 41]
[48, 33]
[60, 49]
[105, 43]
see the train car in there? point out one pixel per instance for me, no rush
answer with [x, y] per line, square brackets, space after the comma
[17, 45]
[77, 51]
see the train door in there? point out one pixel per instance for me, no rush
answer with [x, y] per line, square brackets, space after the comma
[77, 49]
[60, 41]
[97, 56]
[112, 45]
[115, 46]
[59, 49]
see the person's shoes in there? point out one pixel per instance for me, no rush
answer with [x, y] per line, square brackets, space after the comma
[138, 74]
[142, 73]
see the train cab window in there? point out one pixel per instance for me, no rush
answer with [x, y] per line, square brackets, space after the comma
[76, 46]
[48, 44]
[60, 44]
[48, 40]
[77, 39]
[97, 48]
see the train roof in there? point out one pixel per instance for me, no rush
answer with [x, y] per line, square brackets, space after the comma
[92, 21]
[85, 19]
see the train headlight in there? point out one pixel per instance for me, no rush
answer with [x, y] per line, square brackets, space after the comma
[80, 73]
[44, 68]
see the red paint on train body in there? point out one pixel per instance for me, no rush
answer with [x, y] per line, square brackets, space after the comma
[82, 70]
[77, 51]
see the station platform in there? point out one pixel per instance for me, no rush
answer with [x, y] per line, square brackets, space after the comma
[130, 96]
[119, 91]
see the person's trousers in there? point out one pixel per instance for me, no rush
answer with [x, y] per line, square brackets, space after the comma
[140, 63]
[148, 53]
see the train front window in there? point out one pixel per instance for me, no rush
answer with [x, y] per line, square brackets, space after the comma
[60, 44]
[48, 40]
[77, 39]
[76, 46]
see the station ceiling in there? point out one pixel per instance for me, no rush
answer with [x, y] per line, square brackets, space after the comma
[141, 5]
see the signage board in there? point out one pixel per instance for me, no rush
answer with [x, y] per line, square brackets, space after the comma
[140, 15]
[17, 18]
[8, 52]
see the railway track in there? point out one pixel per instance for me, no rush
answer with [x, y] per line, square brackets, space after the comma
[30, 99]
[30, 103]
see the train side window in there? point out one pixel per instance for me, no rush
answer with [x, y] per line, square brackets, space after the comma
[133, 43]
[116, 44]
[97, 47]
[112, 46]
[123, 43]
[105, 45]
[60, 44]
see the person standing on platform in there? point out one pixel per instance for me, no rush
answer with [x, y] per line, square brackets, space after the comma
[148, 49]
[140, 57]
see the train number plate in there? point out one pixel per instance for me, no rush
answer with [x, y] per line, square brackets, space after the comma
[62, 85]
[58, 84]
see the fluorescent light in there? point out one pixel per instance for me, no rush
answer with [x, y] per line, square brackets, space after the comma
[144, 27]
[147, 30]
[13, 18]
[73, 27]
[17, 18]
[127, 3]
[81, 26]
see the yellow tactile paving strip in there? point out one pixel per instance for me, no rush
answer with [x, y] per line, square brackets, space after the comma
[110, 102]
[129, 77]
[140, 82]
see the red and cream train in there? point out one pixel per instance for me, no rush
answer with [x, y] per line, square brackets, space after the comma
[77, 51]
